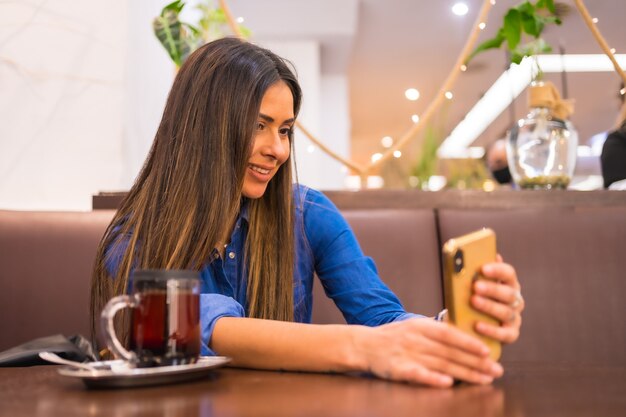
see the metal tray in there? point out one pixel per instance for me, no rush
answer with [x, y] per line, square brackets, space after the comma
[116, 375]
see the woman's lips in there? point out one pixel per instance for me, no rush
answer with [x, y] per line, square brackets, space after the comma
[260, 172]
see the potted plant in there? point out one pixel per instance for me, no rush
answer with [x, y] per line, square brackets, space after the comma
[182, 38]
[541, 148]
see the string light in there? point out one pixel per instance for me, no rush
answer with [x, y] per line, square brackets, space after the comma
[397, 154]
[460, 9]
[376, 156]
[412, 94]
[449, 95]
[240, 20]
[594, 20]
[482, 25]
[310, 149]
[387, 141]
[463, 67]
[613, 51]
[493, 2]
[489, 186]
[415, 118]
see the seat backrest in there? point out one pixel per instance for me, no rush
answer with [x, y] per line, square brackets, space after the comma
[572, 268]
[404, 246]
[46, 261]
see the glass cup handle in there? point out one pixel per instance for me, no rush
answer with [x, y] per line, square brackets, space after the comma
[106, 324]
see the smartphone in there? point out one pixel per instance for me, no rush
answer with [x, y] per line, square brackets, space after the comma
[463, 258]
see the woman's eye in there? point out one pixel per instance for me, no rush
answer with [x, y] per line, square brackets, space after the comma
[260, 126]
[285, 131]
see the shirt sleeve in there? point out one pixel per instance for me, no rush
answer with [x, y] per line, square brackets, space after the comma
[349, 277]
[213, 307]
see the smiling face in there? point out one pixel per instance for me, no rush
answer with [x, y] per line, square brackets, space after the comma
[271, 141]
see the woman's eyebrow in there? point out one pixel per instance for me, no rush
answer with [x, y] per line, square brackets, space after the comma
[270, 119]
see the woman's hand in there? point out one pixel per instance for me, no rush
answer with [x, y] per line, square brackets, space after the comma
[425, 351]
[501, 298]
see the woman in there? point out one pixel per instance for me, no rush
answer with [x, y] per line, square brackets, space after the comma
[216, 195]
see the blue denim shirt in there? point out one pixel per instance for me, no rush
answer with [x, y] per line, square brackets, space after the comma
[324, 244]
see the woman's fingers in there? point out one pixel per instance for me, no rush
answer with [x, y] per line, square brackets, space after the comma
[504, 313]
[423, 375]
[499, 297]
[457, 371]
[502, 272]
[460, 355]
[448, 335]
[458, 359]
[507, 333]
[503, 293]
[433, 353]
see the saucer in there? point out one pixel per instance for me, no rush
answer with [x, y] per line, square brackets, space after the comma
[114, 374]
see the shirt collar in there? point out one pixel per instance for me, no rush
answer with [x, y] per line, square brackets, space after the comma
[243, 210]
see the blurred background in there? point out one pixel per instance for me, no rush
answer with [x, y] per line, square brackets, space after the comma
[83, 85]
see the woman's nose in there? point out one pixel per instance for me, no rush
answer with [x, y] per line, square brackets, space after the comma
[275, 146]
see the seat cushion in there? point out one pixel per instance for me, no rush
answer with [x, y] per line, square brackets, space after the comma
[46, 261]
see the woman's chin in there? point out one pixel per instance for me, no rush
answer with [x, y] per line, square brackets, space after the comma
[254, 191]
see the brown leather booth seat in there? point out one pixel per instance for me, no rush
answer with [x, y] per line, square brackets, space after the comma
[46, 260]
[572, 267]
[403, 244]
[569, 260]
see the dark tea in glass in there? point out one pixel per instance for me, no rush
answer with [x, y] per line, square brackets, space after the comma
[165, 321]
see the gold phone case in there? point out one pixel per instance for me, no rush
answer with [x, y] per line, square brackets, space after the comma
[462, 259]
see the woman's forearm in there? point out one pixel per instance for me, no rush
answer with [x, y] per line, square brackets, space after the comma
[415, 350]
[268, 344]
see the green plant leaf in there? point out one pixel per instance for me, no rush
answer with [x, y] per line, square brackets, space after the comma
[547, 4]
[512, 28]
[217, 16]
[170, 32]
[546, 20]
[527, 17]
[535, 47]
[493, 43]
[516, 57]
[192, 29]
[526, 8]
[175, 6]
[245, 32]
[531, 25]
[427, 162]
[181, 38]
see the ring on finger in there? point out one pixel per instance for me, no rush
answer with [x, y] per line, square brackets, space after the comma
[518, 300]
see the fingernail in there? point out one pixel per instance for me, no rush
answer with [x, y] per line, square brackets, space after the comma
[446, 380]
[486, 379]
[496, 369]
[487, 269]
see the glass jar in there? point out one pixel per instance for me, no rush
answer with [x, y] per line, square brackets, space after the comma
[541, 150]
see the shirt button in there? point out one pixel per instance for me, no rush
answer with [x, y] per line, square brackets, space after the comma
[231, 255]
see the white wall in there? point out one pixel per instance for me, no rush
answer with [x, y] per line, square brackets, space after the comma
[82, 88]
[61, 100]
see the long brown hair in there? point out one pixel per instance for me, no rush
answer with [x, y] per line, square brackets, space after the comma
[188, 193]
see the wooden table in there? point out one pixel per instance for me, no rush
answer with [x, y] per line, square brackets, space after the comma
[527, 390]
